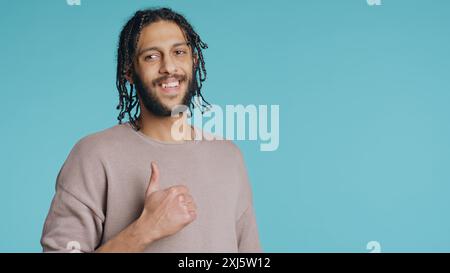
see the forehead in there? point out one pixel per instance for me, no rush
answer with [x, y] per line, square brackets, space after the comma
[161, 34]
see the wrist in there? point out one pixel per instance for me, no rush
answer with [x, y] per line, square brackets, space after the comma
[145, 230]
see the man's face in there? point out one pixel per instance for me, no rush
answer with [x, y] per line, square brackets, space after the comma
[163, 68]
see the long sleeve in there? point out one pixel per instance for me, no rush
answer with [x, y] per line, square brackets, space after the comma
[75, 219]
[246, 224]
[248, 237]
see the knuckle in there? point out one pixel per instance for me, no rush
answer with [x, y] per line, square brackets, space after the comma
[193, 215]
[187, 217]
[179, 195]
[173, 191]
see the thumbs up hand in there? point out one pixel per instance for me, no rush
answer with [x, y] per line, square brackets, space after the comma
[166, 211]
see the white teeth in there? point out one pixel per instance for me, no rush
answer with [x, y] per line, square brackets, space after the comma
[170, 84]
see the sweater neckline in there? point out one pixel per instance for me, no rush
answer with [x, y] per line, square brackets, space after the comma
[167, 143]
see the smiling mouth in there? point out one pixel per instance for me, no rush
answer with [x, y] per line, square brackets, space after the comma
[170, 87]
[170, 84]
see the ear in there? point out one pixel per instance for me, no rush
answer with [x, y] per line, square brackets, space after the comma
[195, 59]
[129, 79]
[128, 76]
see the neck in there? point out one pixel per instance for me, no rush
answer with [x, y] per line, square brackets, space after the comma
[160, 128]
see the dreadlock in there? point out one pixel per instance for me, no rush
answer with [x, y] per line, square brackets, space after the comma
[129, 38]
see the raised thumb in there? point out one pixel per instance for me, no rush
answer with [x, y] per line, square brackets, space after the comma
[153, 184]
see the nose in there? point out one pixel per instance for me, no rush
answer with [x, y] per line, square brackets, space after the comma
[168, 66]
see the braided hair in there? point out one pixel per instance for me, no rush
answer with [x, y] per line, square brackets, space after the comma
[129, 38]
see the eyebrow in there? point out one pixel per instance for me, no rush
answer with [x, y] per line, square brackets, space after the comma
[159, 49]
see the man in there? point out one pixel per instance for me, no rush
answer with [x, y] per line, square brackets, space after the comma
[137, 187]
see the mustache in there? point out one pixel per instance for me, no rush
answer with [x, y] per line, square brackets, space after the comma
[163, 78]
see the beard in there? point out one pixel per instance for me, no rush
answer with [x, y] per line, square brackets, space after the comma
[153, 104]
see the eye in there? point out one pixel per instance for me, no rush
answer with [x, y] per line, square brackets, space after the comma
[151, 57]
[180, 52]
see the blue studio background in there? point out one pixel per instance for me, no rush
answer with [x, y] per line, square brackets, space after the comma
[364, 96]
